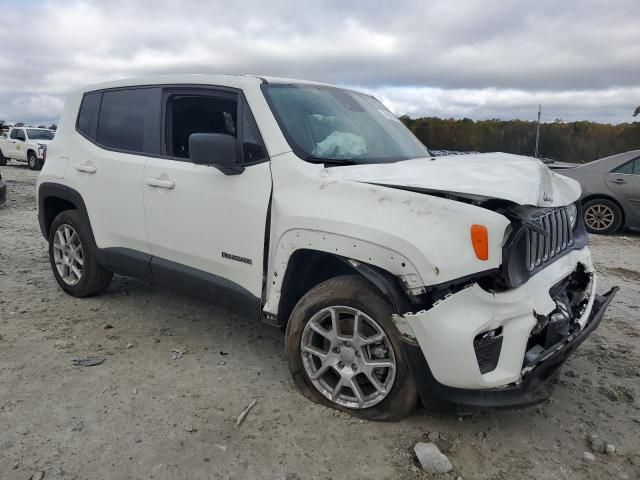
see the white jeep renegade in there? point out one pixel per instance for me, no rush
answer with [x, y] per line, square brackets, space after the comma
[396, 275]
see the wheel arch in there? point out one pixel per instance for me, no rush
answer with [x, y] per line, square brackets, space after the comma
[54, 198]
[307, 268]
[604, 196]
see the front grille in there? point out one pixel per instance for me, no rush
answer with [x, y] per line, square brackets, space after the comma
[557, 237]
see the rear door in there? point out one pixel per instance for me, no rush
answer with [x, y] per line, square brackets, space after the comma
[624, 181]
[201, 223]
[119, 129]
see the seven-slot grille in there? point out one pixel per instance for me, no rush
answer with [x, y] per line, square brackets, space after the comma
[559, 237]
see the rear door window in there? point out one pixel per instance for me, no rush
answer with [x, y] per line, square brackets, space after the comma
[129, 120]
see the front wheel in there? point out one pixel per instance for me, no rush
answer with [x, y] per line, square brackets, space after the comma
[3, 159]
[345, 352]
[32, 161]
[602, 216]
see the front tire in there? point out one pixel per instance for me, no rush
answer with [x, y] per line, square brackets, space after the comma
[3, 159]
[73, 257]
[344, 351]
[602, 216]
[32, 161]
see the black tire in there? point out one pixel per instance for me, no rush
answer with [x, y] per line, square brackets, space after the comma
[3, 159]
[39, 164]
[32, 161]
[95, 278]
[609, 222]
[354, 292]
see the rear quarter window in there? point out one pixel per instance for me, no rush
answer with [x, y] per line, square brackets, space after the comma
[629, 168]
[88, 114]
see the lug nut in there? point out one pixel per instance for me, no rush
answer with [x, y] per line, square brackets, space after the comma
[341, 364]
[357, 354]
[354, 366]
[336, 350]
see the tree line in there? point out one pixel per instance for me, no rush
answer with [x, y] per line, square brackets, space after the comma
[578, 142]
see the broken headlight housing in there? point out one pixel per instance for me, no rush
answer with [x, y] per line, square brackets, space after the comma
[572, 213]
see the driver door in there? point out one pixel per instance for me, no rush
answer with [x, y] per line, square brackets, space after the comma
[17, 144]
[206, 229]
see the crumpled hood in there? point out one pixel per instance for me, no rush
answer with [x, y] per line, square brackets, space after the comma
[520, 179]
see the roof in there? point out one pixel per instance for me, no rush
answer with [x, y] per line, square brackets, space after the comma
[233, 81]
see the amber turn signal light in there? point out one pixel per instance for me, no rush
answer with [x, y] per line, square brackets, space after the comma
[480, 241]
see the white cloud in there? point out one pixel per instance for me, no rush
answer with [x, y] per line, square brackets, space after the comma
[581, 59]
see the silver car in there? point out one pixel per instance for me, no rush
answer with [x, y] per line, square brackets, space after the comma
[610, 191]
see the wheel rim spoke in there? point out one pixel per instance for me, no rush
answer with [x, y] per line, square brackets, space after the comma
[348, 357]
[355, 387]
[68, 255]
[314, 351]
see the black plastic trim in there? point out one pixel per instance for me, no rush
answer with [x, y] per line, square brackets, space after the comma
[386, 283]
[535, 387]
[56, 190]
[128, 262]
[181, 278]
[204, 286]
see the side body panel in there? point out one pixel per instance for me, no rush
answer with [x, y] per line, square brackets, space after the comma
[208, 220]
[422, 239]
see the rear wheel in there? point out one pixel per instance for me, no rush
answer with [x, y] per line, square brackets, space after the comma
[73, 257]
[344, 351]
[602, 216]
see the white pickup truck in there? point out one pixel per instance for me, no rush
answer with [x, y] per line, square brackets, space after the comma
[25, 144]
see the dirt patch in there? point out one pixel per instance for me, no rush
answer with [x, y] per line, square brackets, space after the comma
[149, 412]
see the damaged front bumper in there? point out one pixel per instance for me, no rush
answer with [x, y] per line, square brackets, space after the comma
[477, 348]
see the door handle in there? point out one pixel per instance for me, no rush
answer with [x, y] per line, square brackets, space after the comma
[619, 181]
[83, 167]
[156, 182]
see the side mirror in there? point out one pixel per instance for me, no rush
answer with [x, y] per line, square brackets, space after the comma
[215, 149]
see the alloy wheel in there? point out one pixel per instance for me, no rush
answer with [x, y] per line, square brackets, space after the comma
[599, 217]
[68, 254]
[32, 162]
[348, 357]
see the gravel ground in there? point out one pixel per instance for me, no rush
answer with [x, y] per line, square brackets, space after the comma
[142, 414]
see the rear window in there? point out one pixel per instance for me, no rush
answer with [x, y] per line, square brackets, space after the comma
[129, 120]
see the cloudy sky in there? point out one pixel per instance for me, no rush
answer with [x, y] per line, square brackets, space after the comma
[451, 58]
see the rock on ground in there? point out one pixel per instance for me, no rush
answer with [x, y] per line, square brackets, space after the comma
[431, 459]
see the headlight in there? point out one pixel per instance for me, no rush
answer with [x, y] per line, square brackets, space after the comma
[572, 211]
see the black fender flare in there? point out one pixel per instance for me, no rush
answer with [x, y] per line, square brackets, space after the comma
[48, 190]
[385, 282]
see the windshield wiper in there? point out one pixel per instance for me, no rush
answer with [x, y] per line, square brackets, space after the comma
[332, 161]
